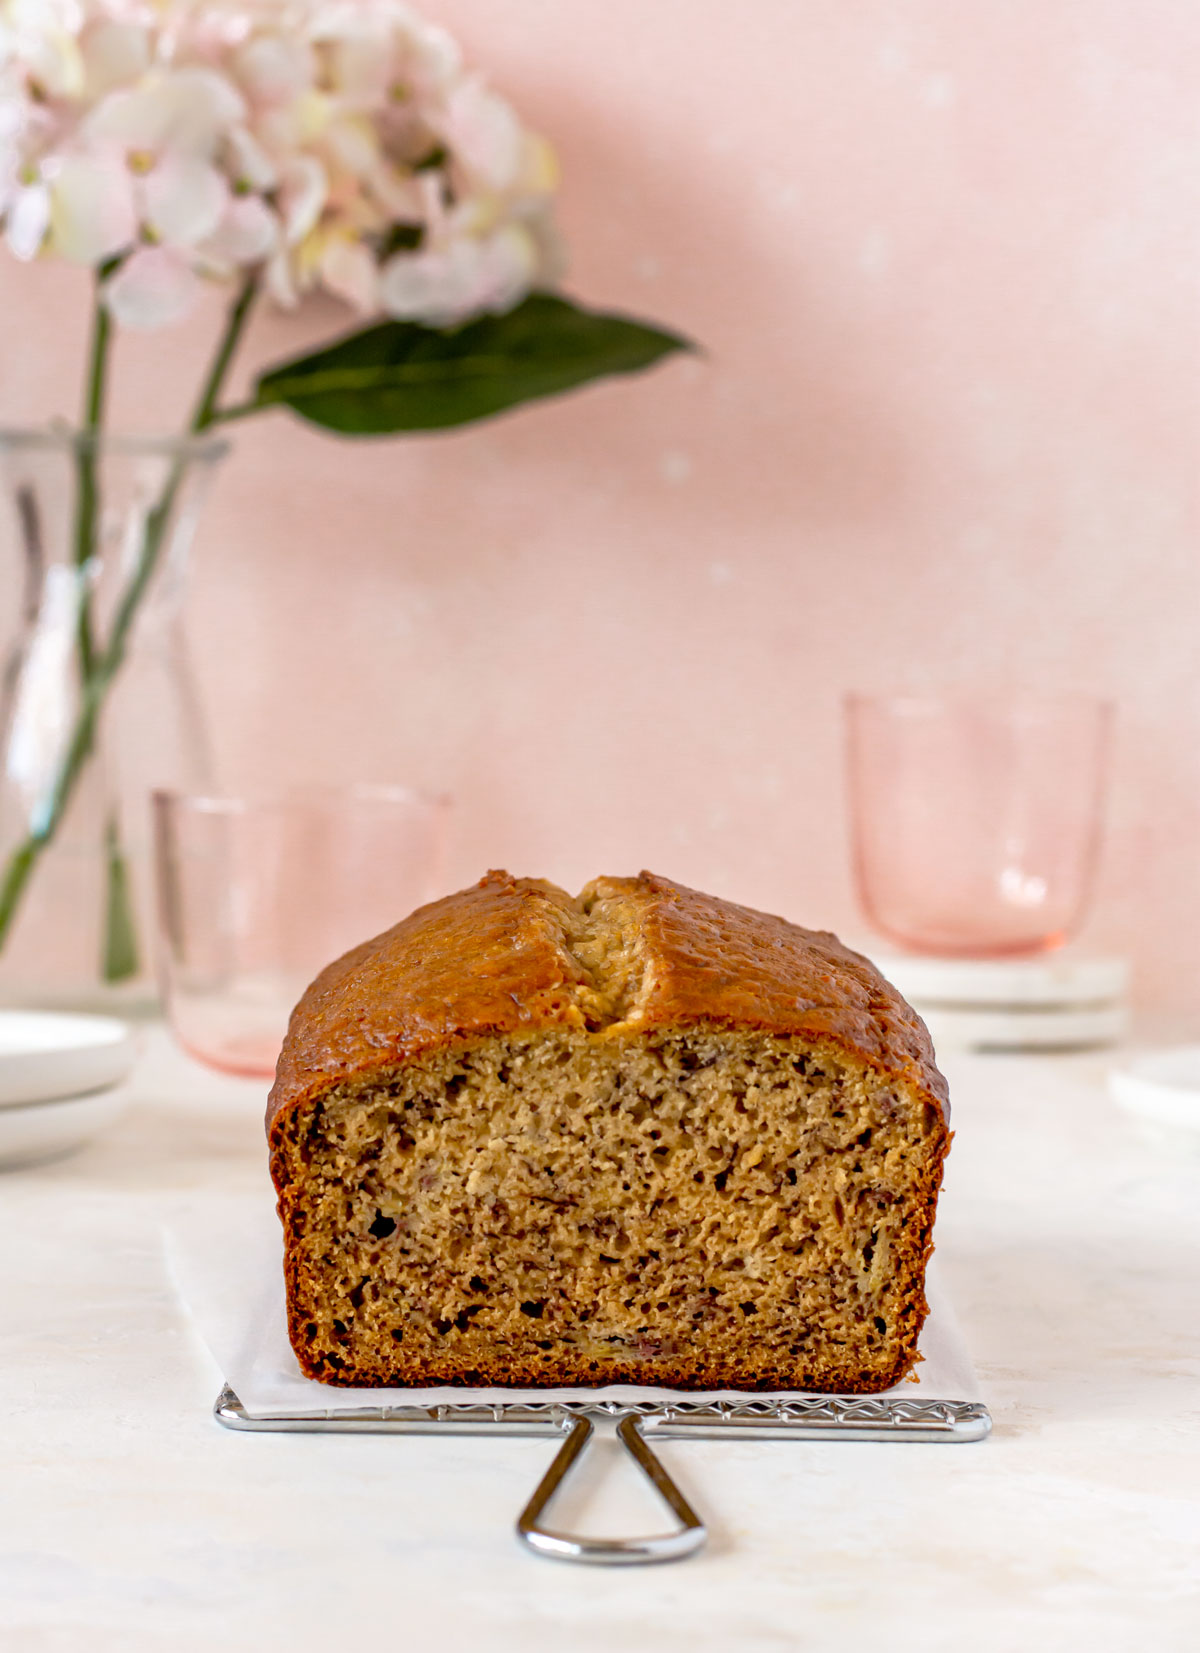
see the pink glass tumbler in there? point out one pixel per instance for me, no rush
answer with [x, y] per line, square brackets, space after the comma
[256, 895]
[975, 822]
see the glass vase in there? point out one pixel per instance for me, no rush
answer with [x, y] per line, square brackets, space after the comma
[98, 706]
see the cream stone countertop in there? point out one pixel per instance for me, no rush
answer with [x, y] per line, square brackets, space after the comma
[129, 1520]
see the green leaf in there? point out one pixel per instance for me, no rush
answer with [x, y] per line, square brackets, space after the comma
[400, 376]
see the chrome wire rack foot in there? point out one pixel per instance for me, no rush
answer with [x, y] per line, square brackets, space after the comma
[611, 1552]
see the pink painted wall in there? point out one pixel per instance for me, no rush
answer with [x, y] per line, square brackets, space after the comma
[945, 262]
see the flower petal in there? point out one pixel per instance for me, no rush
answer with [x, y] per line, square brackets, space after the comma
[274, 68]
[359, 64]
[466, 277]
[204, 105]
[430, 57]
[397, 192]
[280, 281]
[52, 55]
[26, 221]
[436, 286]
[509, 262]
[186, 109]
[248, 162]
[114, 54]
[13, 111]
[353, 143]
[410, 284]
[247, 233]
[433, 205]
[436, 51]
[483, 134]
[183, 199]
[155, 287]
[301, 196]
[92, 213]
[349, 270]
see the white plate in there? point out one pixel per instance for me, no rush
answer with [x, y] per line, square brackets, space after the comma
[1163, 1089]
[44, 1055]
[46, 1130]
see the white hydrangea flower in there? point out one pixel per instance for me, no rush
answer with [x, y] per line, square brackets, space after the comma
[335, 144]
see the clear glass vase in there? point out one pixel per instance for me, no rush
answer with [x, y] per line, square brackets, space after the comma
[97, 703]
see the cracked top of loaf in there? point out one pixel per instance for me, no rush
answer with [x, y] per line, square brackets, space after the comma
[514, 955]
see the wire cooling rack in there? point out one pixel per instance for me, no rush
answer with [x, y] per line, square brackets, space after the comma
[796, 1418]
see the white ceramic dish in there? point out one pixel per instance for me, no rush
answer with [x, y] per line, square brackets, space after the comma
[47, 1130]
[1162, 1088]
[45, 1056]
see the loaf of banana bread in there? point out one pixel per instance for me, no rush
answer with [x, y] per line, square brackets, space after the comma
[638, 1136]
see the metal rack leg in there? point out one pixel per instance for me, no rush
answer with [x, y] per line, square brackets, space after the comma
[610, 1552]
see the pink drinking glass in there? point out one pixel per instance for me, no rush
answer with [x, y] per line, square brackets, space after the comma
[256, 895]
[975, 822]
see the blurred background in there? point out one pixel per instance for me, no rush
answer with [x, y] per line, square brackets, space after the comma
[943, 264]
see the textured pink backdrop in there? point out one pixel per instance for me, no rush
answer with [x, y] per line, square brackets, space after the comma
[945, 262]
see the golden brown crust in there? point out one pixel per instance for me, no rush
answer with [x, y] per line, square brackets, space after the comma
[494, 959]
[713, 961]
[486, 960]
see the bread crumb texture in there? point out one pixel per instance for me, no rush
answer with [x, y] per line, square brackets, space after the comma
[700, 1148]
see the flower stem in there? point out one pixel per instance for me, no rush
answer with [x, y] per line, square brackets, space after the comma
[87, 507]
[87, 503]
[205, 412]
[119, 957]
[105, 663]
